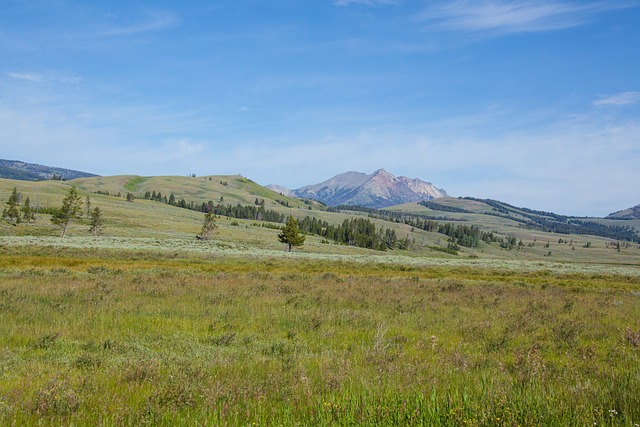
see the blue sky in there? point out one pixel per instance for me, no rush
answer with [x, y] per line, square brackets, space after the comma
[536, 103]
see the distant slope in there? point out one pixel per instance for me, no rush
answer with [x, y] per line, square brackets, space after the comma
[14, 169]
[219, 189]
[631, 213]
[533, 219]
[419, 230]
[378, 190]
[280, 190]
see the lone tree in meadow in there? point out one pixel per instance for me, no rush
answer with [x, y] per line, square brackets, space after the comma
[290, 235]
[12, 211]
[71, 209]
[97, 222]
[28, 214]
[208, 227]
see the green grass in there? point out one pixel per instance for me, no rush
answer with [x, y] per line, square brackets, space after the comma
[145, 325]
[117, 337]
[134, 183]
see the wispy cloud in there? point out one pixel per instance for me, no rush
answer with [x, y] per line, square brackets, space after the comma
[30, 77]
[623, 98]
[364, 2]
[155, 21]
[515, 16]
[46, 77]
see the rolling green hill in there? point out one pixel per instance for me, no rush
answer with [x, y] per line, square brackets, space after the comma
[510, 234]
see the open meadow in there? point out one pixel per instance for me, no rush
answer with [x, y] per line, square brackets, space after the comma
[104, 336]
[145, 325]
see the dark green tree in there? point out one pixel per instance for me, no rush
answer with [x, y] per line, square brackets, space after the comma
[12, 212]
[290, 235]
[71, 209]
[208, 227]
[97, 221]
[27, 211]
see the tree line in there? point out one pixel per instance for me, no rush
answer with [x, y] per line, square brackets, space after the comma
[71, 209]
[555, 223]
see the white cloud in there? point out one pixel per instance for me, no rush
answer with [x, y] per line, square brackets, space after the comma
[563, 167]
[623, 98]
[30, 77]
[514, 16]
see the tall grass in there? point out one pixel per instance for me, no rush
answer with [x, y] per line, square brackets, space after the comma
[120, 340]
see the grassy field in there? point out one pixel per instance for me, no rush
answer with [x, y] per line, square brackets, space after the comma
[119, 337]
[145, 325]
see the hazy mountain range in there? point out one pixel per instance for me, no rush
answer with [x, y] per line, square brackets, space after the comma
[377, 190]
[14, 169]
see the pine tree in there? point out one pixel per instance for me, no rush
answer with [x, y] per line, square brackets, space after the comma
[97, 222]
[208, 227]
[71, 209]
[27, 211]
[12, 212]
[290, 235]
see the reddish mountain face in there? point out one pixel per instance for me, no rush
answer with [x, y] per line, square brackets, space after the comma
[378, 190]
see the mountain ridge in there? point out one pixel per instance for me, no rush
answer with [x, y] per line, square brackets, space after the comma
[23, 171]
[377, 190]
[629, 213]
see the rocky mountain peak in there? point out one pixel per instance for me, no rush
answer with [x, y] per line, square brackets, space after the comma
[377, 190]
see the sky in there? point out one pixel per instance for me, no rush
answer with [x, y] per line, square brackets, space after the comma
[532, 102]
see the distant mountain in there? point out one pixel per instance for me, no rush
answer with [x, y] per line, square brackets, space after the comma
[631, 213]
[378, 190]
[280, 189]
[13, 169]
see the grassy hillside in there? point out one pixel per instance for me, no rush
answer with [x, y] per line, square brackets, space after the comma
[231, 188]
[147, 219]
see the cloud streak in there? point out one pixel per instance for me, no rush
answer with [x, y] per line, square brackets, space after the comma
[156, 21]
[46, 77]
[514, 16]
[623, 98]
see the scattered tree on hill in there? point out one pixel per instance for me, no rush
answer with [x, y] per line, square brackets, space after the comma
[12, 211]
[71, 209]
[290, 235]
[131, 197]
[28, 214]
[97, 222]
[208, 227]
